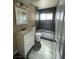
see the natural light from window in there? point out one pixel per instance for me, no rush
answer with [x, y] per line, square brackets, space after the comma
[46, 16]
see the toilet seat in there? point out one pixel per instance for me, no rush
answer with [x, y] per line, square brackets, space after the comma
[38, 36]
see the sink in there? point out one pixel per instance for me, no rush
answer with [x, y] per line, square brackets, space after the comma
[23, 31]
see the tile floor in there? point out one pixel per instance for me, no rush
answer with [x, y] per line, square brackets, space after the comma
[43, 50]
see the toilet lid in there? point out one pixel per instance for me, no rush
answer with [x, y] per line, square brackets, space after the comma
[38, 33]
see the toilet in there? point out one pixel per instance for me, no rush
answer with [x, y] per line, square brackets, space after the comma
[38, 36]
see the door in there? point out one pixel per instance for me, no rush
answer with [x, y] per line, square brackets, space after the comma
[60, 29]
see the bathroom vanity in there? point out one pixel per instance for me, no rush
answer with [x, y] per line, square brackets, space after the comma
[25, 41]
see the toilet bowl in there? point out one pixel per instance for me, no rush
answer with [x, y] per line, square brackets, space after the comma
[38, 36]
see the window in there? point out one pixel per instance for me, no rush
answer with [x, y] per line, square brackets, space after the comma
[46, 16]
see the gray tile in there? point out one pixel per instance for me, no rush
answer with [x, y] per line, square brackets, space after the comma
[46, 51]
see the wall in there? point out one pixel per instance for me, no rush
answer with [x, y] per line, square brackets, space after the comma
[47, 24]
[31, 22]
[37, 19]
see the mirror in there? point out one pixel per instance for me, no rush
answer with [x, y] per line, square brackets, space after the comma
[21, 16]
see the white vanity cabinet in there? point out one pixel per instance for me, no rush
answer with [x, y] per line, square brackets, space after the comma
[25, 41]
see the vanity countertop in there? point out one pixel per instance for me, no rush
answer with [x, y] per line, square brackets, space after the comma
[26, 30]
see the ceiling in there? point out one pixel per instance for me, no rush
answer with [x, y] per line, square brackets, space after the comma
[41, 4]
[28, 1]
[45, 3]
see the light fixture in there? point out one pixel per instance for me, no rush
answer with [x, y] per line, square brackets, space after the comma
[18, 3]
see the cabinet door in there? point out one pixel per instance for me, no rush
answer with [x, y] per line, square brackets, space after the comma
[21, 16]
[18, 16]
[28, 42]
